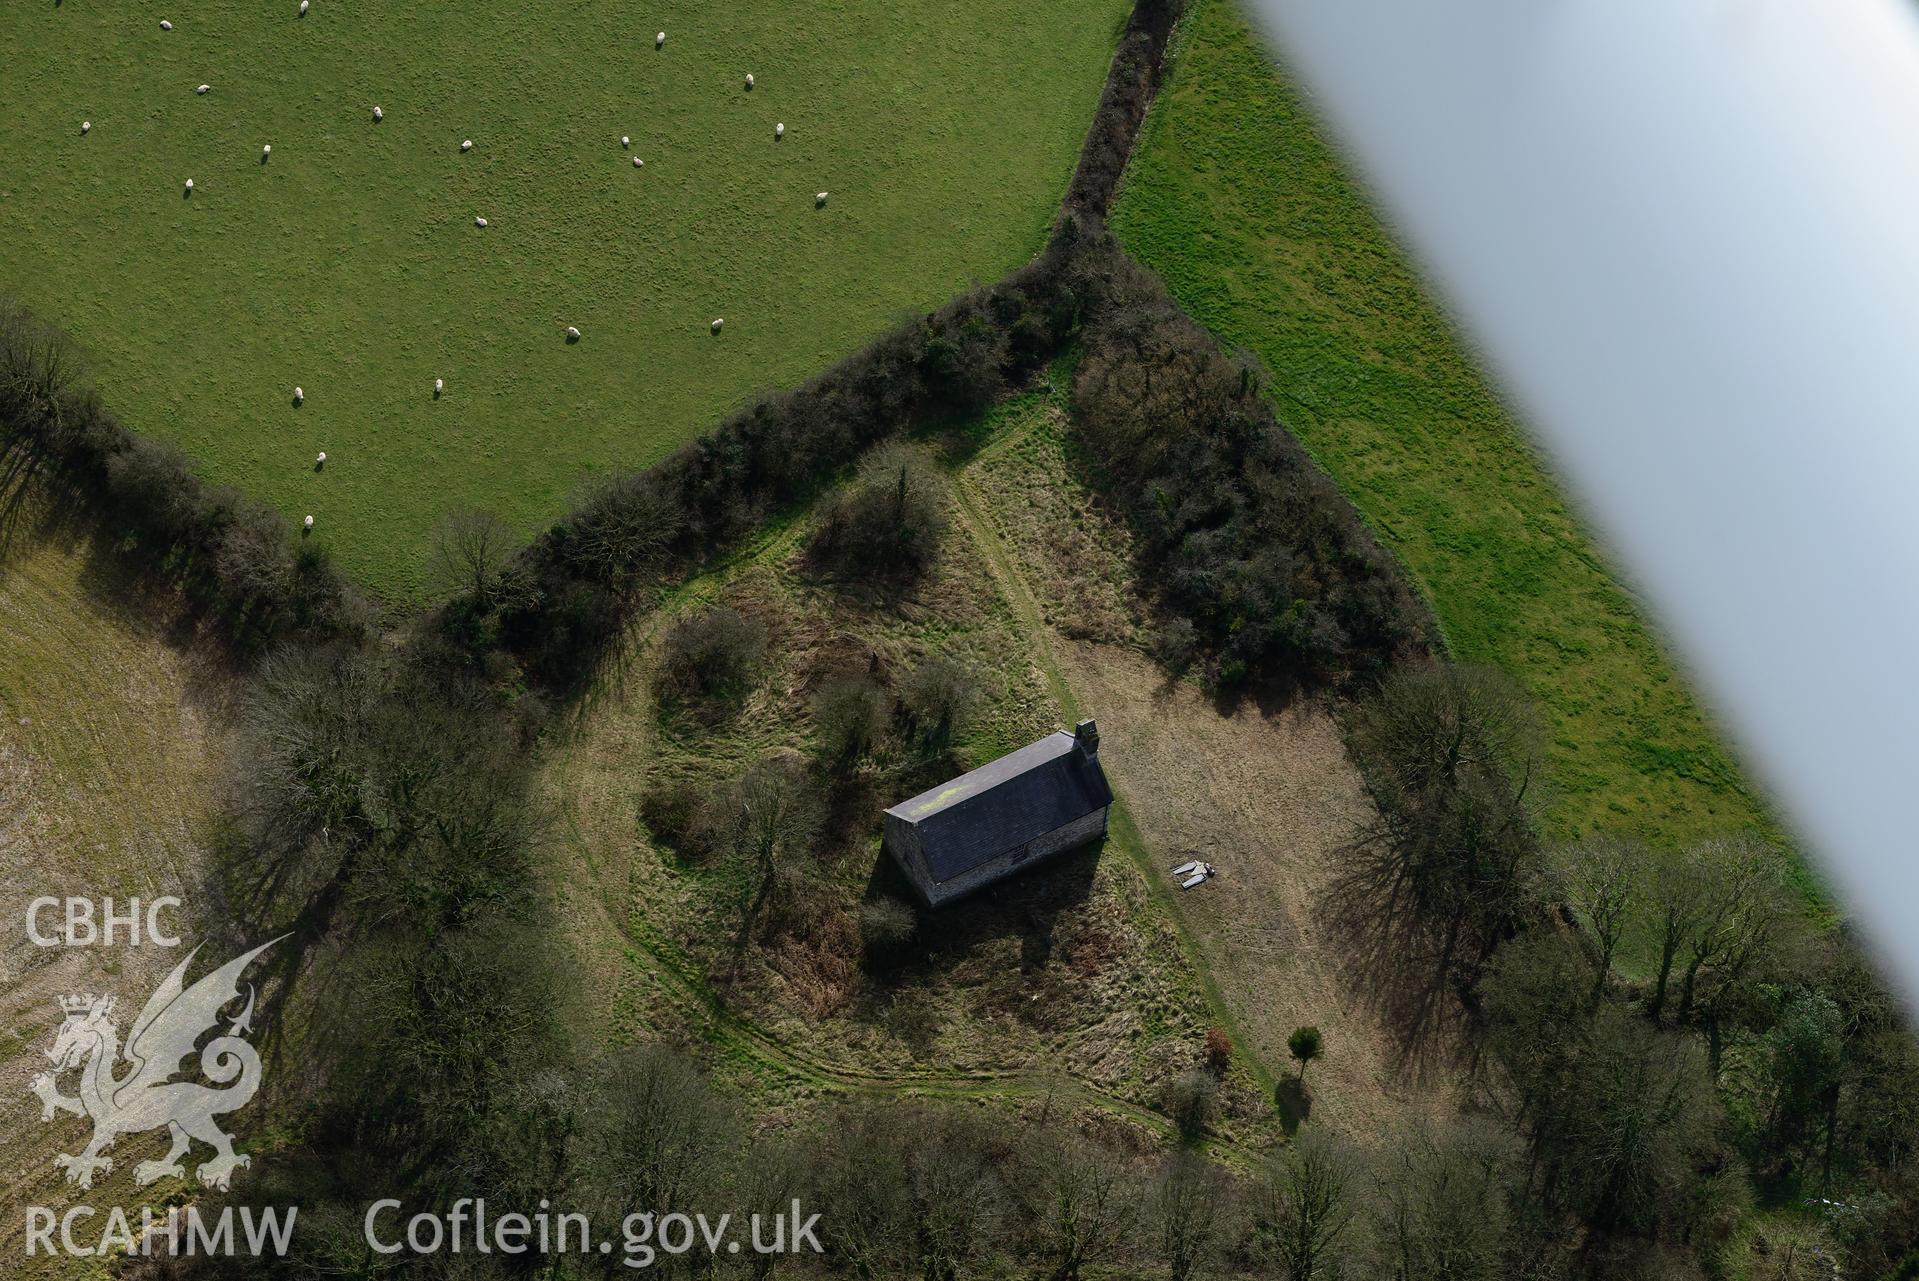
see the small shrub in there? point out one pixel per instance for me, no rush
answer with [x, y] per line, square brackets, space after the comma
[888, 520]
[1219, 1051]
[712, 655]
[886, 925]
[1305, 1044]
[1190, 1100]
[850, 715]
[1176, 645]
[962, 363]
[675, 814]
[938, 696]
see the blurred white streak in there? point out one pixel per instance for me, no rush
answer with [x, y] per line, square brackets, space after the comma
[1686, 232]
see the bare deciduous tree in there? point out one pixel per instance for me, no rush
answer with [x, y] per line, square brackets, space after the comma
[618, 533]
[656, 1137]
[1080, 1209]
[1304, 1209]
[1447, 866]
[1441, 1212]
[471, 552]
[1186, 1214]
[767, 820]
[1737, 888]
[1601, 878]
[1635, 1110]
[1677, 907]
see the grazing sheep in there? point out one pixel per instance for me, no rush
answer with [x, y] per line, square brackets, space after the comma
[572, 334]
[479, 222]
[165, 25]
[86, 126]
[779, 131]
[189, 186]
[439, 385]
[378, 115]
[303, 8]
[466, 144]
[307, 524]
[819, 200]
[203, 88]
[717, 324]
[659, 40]
[265, 151]
[638, 163]
[320, 461]
[299, 394]
[749, 80]
[625, 141]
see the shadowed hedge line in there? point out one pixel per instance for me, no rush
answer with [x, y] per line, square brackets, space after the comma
[560, 603]
[230, 554]
[1132, 83]
[1268, 573]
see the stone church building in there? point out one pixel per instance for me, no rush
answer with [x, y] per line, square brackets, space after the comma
[1003, 817]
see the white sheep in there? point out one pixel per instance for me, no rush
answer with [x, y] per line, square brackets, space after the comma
[165, 25]
[717, 324]
[779, 130]
[203, 88]
[266, 150]
[307, 523]
[638, 163]
[86, 126]
[625, 141]
[659, 39]
[378, 115]
[321, 460]
[439, 385]
[572, 334]
[189, 186]
[749, 80]
[299, 394]
[819, 200]
[303, 8]
[479, 222]
[466, 144]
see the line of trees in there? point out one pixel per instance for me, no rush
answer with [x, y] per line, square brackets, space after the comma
[1270, 572]
[1759, 1062]
[229, 554]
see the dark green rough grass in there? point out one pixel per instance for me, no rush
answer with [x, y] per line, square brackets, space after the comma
[1237, 200]
[349, 264]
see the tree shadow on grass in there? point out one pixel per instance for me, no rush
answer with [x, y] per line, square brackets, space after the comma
[1401, 967]
[140, 590]
[1295, 1103]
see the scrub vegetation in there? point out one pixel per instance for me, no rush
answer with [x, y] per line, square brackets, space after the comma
[1237, 199]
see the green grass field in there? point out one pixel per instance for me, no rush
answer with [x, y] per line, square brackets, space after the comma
[1237, 200]
[349, 264]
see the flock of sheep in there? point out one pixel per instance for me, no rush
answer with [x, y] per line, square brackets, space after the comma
[466, 145]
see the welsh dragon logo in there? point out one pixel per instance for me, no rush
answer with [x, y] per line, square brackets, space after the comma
[144, 1097]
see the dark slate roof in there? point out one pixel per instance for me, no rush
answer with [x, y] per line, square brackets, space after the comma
[1002, 805]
